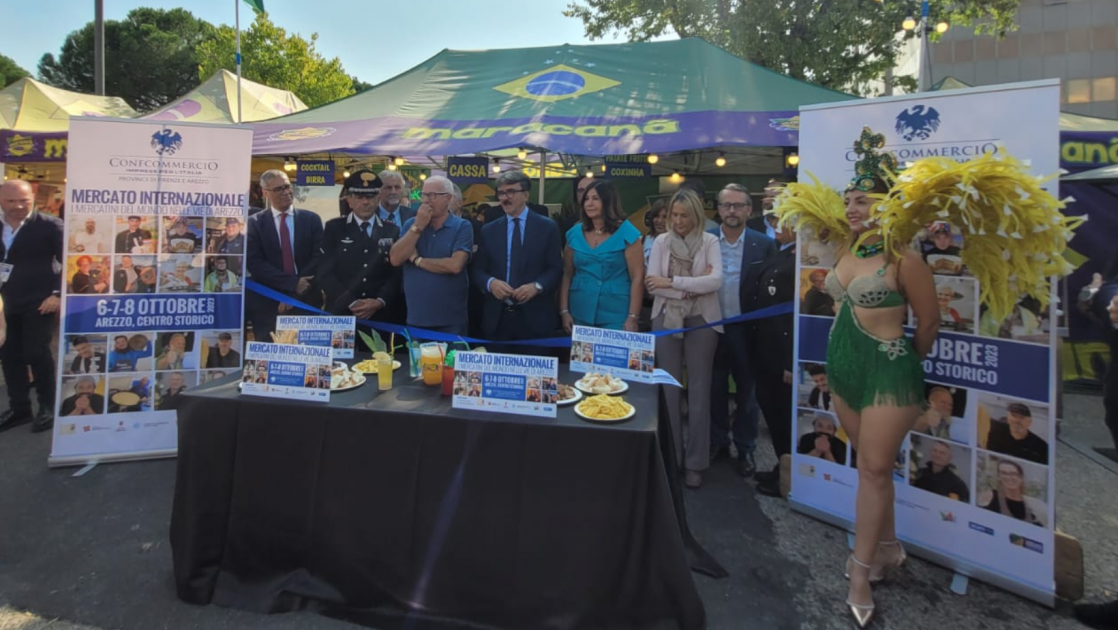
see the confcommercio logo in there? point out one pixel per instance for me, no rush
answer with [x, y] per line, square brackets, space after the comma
[166, 141]
[918, 122]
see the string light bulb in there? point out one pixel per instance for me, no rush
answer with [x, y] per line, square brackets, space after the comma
[793, 159]
[675, 177]
[522, 154]
[399, 161]
[909, 23]
[345, 173]
[590, 173]
[720, 161]
[496, 165]
[941, 27]
[422, 177]
[603, 168]
[392, 166]
[653, 158]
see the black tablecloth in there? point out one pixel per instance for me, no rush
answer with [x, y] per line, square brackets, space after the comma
[396, 505]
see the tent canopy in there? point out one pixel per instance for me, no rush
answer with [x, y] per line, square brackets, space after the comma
[586, 100]
[28, 105]
[215, 101]
[1068, 121]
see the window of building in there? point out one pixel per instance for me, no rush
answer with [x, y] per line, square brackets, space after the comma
[1103, 89]
[1078, 91]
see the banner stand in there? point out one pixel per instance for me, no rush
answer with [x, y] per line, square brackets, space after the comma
[83, 460]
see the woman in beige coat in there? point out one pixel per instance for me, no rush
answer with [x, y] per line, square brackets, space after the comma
[684, 275]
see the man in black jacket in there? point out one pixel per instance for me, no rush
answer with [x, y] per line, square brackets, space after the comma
[31, 242]
[282, 252]
[772, 361]
[354, 270]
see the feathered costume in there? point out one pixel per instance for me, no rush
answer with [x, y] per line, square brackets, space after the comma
[1014, 231]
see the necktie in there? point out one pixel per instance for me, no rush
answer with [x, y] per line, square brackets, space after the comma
[365, 229]
[285, 246]
[390, 218]
[514, 254]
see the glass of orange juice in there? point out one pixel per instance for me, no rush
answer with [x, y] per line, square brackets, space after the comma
[384, 374]
[431, 363]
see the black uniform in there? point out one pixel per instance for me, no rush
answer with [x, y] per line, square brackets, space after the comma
[772, 341]
[944, 483]
[354, 266]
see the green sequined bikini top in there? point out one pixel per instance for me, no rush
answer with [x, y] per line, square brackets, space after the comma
[865, 291]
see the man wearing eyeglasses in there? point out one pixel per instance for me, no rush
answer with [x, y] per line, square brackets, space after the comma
[743, 252]
[282, 252]
[518, 267]
[354, 270]
[394, 208]
[433, 249]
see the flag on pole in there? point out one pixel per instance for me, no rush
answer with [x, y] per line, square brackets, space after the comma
[257, 5]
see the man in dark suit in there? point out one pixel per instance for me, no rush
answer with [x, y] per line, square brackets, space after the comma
[281, 252]
[354, 270]
[772, 362]
[743, 253]
[394, 209]
[762, 222]
[31, 243]
[518, 267]
[494, 213]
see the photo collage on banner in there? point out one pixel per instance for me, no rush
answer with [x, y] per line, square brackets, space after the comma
[153, 279]
[975, 478]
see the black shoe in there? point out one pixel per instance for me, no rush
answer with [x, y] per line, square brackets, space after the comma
[770, 488]
[44, 421]
[1101, 616]
[720, 452]
[11, 419]
[746, 465]
[768, 476]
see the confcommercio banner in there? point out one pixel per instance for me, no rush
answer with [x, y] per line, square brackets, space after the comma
[975, 479]
[152, 301]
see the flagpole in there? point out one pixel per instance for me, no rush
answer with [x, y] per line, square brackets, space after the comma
[237, 4]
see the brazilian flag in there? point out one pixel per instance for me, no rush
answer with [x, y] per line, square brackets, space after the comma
[257, 5]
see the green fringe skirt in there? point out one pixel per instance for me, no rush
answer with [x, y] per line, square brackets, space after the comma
[866, 371]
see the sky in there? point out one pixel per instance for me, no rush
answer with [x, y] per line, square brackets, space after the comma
[375, 39]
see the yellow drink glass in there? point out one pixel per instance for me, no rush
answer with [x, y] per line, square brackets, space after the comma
[384, 374]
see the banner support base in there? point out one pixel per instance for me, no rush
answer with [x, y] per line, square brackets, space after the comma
[959, 584]
[84, 469]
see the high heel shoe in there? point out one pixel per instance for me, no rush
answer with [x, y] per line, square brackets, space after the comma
[863, 613]
[879, 572]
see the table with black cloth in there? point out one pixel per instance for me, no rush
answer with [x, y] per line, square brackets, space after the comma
[392, 508]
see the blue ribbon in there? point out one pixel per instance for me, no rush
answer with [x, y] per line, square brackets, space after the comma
[551, 342]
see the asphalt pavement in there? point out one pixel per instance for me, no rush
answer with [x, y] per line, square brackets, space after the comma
[92, 552]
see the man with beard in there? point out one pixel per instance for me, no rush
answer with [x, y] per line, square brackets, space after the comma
[88, 240]
[131, 241]
[180, 240]
[85, 401]
[223, 356]
[221, 280]
[743, 252]
[1013, 437]
[393, 208]
[233, 241]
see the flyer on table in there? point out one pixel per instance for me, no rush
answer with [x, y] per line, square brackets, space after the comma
[975, 479]
[153, 272]
[337, 333]
[626, 355]
[287, 371]
[506, 383]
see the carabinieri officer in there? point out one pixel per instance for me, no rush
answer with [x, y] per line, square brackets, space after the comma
[354, 270]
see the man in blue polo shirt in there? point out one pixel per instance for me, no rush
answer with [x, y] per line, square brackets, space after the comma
[434, 248]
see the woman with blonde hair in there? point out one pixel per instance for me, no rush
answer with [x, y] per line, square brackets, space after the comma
[684, 275]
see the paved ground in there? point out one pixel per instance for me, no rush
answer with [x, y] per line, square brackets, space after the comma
[91, 552]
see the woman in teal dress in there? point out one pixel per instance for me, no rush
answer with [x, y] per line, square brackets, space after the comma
[603, 265]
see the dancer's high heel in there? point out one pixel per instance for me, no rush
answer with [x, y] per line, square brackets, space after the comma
[880, 572]
[863, 613]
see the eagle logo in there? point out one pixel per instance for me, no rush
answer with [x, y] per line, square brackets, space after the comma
[166, 141]
[917, 122]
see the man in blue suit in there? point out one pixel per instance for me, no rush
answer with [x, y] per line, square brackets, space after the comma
[518, 267]
[281, 252]
[743, 252]
[394, 208]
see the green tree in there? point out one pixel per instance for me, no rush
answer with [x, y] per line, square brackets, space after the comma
[10, 72]
[149, 57]
[274, 58]
[840, 44]
[359, 85]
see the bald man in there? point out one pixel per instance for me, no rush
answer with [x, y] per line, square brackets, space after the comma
[30, 242]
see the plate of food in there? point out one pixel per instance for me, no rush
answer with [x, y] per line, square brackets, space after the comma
[595, 383]
[568, 395]
[605, 408]
[343, 379]
[369, 366]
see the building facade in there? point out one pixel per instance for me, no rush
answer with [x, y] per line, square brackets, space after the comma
[1075, 41]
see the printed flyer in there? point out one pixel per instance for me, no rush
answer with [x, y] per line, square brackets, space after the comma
[626, 355]
[506, 383]
[287, 371]
[336, 333]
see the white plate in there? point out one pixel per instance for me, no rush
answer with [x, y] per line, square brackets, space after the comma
[346, 389]
[632, 412]
[571, 401]
[395, 366]
[624, 388]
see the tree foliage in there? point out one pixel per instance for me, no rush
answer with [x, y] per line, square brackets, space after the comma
[272, 57]
[10, 72]
[840, 44]
[149, 57]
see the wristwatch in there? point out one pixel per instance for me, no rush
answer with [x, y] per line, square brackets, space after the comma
[539, 287]
[415, 229]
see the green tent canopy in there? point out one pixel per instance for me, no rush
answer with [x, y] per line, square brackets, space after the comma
[594, 100]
